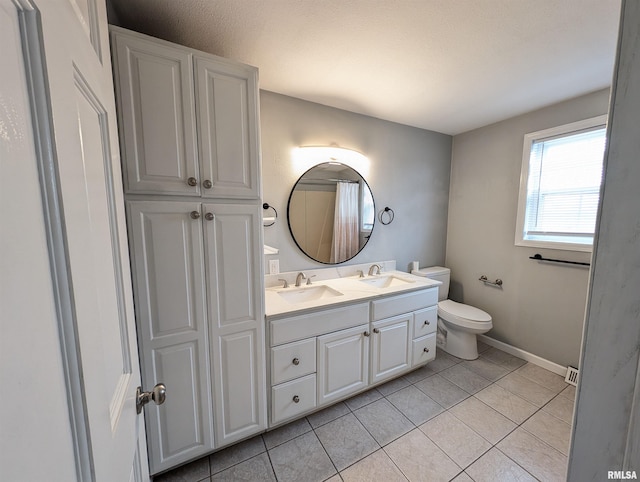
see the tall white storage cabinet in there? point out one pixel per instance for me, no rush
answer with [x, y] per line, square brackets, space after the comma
[189, 127]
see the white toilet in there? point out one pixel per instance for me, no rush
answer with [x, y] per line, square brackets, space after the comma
[458, 324]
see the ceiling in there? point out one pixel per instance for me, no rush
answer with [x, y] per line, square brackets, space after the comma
[443, 65]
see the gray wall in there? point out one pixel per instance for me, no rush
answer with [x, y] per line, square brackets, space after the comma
[541, 306]
[409, 172]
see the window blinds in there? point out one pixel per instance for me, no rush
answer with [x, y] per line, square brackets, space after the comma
[563, 189]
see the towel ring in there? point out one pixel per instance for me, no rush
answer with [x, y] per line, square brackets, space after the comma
[390, 215]
[266, 206]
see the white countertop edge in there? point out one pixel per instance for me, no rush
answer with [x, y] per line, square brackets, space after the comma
[353, 291]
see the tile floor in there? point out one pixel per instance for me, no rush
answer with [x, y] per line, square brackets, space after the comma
[496, 418]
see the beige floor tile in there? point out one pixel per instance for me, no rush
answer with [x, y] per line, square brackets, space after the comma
[455, 438]
[466, 379]
[569, 392]
[511, 406]
[543, 377]
[536, 457]
[346, 441]
[377, 466]
[442, 361]
[420, 459]
[419, 374]
[495, 466]
[415, 405]
[561, 407]
[236, 453]
[286, 432]
[526, 388]
[335, 478]
[483, 419]
[365, 398]
[302, 455]
[503, 359]
[462, 477]
[328, 414]
[550, 429]
[485, 368]
[194, 471]
[256, 469]
[383, 421]
[446, 393]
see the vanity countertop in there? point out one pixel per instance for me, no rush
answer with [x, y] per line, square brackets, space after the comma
[281, 301]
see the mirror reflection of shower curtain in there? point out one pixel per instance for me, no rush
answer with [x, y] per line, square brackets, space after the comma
[345, 222]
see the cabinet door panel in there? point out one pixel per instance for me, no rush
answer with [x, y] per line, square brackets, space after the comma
[233, 240]
[390, 345]
[239, 386]
[169, 287]
[343, 363]
[228, 128]
[154, 85]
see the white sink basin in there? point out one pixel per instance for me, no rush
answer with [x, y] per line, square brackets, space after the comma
[386, 281]
[307, 293]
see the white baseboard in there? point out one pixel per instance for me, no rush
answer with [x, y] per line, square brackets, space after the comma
[525, 355]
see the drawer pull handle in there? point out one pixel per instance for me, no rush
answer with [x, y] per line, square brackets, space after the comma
[366, 333]
[296, 361]
[427, 322]
[426, 350]
[296, 399]
[375, 330]
[192, 181]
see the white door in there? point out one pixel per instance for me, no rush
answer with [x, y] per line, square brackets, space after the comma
[343, 363]
[390, 347]
[75, 107]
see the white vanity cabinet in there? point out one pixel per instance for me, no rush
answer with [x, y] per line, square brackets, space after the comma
[188, 120]
[407, 325]
[343, 363]
[324, 355]
[390, 347]
[200, 315]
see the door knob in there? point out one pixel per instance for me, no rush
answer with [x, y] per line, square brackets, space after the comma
[207, 184]
[209, 216]
[194, 215]
[192, 181]
[158, 395]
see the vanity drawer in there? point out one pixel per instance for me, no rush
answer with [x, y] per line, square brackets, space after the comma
[293, 360]
[425, 321]
[284, 396]
[396, 305]
[419, 354]
[317, 323]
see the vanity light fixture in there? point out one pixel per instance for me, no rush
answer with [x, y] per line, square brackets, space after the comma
[306, 157]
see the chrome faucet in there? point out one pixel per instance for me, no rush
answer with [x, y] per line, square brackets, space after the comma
[374, 267]
[299, 278]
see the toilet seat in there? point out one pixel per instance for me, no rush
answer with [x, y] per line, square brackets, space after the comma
[463, 315]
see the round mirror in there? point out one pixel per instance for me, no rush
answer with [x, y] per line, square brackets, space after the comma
[331, 213]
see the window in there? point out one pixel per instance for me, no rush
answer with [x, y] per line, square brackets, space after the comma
[560, 185]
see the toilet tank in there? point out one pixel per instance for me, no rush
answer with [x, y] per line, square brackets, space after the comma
[438, 273]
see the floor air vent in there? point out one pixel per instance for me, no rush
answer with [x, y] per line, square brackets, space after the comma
[572, 376]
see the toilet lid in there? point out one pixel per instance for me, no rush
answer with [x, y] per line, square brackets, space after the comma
[461, 310]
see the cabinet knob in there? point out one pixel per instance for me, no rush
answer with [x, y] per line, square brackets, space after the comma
[207, 184]
[427, 322]
[195, 215]
[209, 216]
[366, 333]
[296, 399]
[296, 361]
[192, 181]
[426, 350]
[375, 330]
